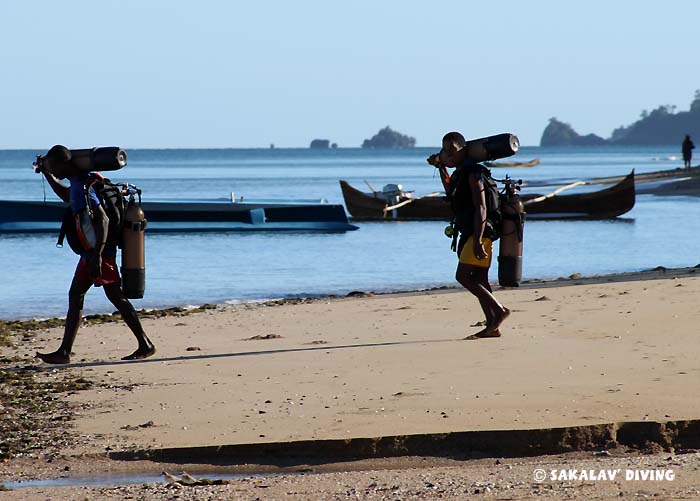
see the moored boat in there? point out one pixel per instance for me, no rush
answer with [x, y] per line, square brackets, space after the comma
[394, 205]
[22, 216]
[398, 205]
[602, 204]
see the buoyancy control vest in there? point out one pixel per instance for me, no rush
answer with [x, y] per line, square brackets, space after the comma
[460, 196]
[78, 229]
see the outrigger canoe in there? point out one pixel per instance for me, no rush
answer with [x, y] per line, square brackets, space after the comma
[394, 204]
[530, 163]
[21, 216]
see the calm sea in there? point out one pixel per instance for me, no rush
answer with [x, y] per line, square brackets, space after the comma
[232, 267]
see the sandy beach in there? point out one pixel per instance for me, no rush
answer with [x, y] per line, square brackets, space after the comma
[575, 353]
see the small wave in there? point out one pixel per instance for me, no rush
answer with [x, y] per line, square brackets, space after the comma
[252, 301]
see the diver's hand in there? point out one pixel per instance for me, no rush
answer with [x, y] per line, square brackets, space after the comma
[434, 160]
[479, 251]
[95, 265]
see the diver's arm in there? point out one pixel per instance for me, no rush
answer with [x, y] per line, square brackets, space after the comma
[445, 178]
[101, 224]
[435, 161]
[476, 185]
[60, 189]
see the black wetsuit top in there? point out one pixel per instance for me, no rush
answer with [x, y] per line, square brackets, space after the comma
[460, 196]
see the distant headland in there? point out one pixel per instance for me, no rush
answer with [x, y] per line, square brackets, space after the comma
[385, 138]
[388, 138]
[660, 126]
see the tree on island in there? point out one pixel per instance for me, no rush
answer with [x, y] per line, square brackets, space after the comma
[388, 138]
[662, 125]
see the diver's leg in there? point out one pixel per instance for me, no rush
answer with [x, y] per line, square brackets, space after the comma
[76, 298]
[116, 296]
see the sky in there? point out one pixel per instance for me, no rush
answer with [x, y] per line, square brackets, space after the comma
[231, 74]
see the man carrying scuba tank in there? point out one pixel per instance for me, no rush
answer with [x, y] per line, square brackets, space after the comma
[97, 265]
[466, 191]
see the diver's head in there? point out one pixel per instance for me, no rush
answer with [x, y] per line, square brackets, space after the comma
[58, 162]
[452, 153]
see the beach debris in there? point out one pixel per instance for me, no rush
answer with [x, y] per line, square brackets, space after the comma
[187, 480]
[575, 276]
[263, 337]
[543, 298]
[358, 294]
[171, 479]
[193, 348]
[147, 424]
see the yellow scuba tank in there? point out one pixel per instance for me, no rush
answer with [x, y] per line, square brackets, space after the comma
[510, 254]
[134, 250]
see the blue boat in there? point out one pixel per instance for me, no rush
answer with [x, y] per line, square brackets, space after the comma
[24, 216]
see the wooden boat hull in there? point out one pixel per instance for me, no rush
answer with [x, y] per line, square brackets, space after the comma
[603, 204]
[369, 207]
[30, 216]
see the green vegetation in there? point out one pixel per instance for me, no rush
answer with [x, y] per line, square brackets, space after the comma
[388, 138]
[662, 125]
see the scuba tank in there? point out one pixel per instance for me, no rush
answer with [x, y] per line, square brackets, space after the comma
[86, 160]
[134, 250]
[101, 159]
[492, 147]
[510, 254]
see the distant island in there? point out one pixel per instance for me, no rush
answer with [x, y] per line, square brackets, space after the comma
[660, 126]
[322, 144]
[388, 138]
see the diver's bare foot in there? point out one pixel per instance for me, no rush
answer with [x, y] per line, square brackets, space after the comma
[53, 358]
[141, 353]
[500, 318]
[483, 334]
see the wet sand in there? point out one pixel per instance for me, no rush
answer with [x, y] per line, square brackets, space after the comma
[574, 352]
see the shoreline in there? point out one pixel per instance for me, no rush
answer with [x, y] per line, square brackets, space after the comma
[38, 322]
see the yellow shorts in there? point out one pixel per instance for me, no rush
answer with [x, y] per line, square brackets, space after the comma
[467, 255]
